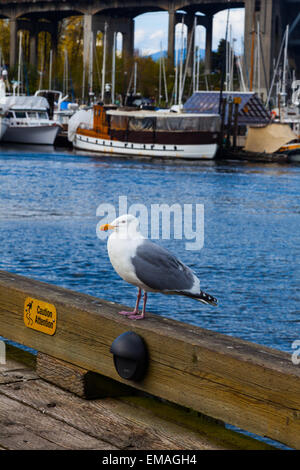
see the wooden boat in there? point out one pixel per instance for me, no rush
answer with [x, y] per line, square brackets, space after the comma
[145, 133]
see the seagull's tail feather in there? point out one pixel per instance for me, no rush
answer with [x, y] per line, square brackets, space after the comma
[203, 297]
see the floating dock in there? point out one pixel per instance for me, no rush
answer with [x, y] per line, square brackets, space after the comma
[69, 395]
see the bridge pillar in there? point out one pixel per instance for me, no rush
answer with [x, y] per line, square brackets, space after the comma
[190, 43]
[268, 14]
[110, 39]
[94, 23]
[128, 39]
[87, 38]
[208, 44]
[171, 36]
[33, 46]
[13, 43]
[54, 40]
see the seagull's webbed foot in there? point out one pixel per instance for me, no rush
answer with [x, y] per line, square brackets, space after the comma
[123, 312]
[136, 310]
[142, 315]
[136, 317]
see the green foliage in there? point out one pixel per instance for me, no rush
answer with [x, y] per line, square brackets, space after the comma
[67, 65]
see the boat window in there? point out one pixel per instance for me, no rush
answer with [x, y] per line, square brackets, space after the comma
[32, 115]
[142, 124]
[184, 122]
[11, 115]
[118, 122]
[20, 114]
[43, 115]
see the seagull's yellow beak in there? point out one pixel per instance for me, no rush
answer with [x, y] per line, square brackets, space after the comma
[106, 227]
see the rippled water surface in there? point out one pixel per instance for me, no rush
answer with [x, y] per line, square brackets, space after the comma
[250, 257]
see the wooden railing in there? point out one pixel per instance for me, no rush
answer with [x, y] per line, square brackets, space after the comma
[247, 385]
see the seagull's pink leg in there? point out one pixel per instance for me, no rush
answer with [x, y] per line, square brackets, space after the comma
[142, 315]
[136, 310]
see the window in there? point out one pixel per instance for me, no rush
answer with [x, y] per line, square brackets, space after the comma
[32, 115]
[20, 114]
[43, 115]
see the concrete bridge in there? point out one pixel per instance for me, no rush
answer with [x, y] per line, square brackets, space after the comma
[45, 15]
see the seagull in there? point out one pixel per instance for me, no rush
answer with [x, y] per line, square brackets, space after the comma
[148, 266]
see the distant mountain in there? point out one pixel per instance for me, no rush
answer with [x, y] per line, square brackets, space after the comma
[157, 55]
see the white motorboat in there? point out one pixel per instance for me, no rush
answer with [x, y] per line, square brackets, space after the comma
[29, 121]
[4, 120]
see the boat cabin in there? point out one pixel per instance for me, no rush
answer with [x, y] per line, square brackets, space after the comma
[153, 126]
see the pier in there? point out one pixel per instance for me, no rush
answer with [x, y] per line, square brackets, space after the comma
[69, 394]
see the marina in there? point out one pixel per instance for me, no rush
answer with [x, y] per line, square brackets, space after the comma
[149, 209]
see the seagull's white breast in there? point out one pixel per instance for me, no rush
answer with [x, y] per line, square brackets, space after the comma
[120, 252]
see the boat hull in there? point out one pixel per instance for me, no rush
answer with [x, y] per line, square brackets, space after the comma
[115, 147]
[40, 135]
[4, 123]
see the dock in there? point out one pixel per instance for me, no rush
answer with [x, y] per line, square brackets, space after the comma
[62, 390]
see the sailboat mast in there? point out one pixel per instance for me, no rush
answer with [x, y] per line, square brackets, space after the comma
[135, 78]
[194, 56]
[258, 57]
[91, 62]
[181, 63]
[176, 77]
[283, 91]
[252, 53]
[113, 80]
[104, 62]
[19, 61]
[165, 79]
[50, 69]
[198, 67]
[160, 75]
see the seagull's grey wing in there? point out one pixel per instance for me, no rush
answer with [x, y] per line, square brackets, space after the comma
[160, 270]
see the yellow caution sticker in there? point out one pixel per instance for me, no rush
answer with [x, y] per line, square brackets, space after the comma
[40, 316]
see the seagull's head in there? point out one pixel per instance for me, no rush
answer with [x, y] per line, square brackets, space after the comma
[126, 224]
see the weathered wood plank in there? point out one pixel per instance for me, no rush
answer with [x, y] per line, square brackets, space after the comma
[98, 420]
[16, 375]
[126, 425]
[247, 385]
[13, 370]
[22, 427]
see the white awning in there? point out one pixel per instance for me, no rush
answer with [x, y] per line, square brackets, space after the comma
[25, 103]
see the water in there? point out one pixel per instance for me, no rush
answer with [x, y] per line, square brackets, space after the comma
[250, 258]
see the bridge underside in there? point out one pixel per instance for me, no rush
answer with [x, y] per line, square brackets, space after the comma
[270, 16]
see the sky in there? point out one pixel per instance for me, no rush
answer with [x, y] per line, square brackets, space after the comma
[149, 39]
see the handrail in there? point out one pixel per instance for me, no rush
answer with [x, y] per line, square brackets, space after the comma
[247, 385]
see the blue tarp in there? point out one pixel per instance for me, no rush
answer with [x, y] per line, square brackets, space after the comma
[64, 105]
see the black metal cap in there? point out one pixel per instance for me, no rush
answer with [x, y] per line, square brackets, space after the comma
[130, 356]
